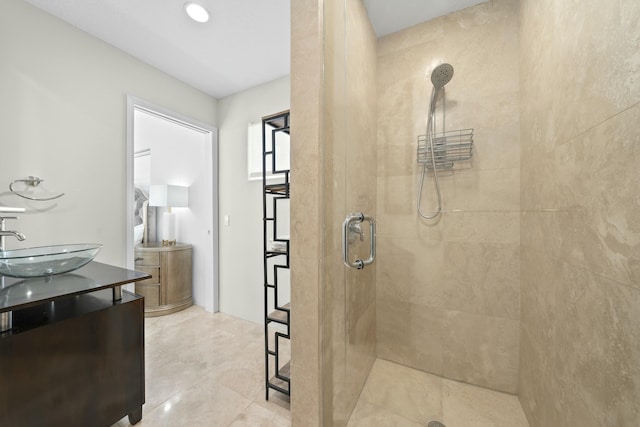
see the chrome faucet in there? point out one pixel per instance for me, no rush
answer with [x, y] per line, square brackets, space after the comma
[4, 233]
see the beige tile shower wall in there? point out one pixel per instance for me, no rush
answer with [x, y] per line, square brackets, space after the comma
[580, 256]
[448, 292]
[306, 218]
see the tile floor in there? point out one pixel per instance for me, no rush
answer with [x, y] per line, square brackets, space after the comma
[207, 370]
[398, 396]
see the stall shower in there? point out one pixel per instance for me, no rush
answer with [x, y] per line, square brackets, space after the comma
[525, 282]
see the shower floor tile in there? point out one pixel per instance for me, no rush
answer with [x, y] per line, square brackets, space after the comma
[395, 395]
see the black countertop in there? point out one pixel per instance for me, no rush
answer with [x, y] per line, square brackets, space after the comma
[17, 293]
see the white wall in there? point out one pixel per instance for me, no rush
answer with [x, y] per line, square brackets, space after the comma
[63, 118]
[241, 278]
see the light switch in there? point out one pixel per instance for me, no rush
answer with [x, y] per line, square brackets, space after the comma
[227, 220]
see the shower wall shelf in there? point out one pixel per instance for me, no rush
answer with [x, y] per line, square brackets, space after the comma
[277, 313]
[448, 148]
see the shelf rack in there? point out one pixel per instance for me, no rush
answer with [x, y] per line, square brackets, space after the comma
[277, 313]
[448, 147]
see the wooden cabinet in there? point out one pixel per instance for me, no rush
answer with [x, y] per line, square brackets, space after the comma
[74, 362]
[170, 287]
[74, 356]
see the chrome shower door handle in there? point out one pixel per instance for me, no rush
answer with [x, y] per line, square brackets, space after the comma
[350, 221]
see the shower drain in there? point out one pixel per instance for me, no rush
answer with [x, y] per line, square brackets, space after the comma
[435, 424]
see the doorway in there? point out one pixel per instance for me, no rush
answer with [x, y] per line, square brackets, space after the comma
[164, 147]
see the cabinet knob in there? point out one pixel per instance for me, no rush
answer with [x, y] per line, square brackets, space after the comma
[138, 259]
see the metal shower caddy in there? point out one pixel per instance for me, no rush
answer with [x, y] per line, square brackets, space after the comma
[448, 147]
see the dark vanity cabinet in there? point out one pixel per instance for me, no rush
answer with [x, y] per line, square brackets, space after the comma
[73, 357]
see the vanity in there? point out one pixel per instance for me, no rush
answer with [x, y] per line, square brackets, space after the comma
[74, 355]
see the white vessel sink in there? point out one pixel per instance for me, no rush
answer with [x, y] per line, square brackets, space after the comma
[46, 260]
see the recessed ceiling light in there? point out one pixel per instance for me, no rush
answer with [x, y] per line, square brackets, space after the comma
[196, 12]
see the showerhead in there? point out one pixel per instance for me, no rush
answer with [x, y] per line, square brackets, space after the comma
[441, 75]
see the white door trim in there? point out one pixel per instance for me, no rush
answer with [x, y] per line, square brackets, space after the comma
[212, 271]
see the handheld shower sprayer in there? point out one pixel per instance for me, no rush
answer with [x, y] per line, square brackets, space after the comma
[440, 76]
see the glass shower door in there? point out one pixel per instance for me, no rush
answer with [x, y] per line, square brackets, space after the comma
[349, 170]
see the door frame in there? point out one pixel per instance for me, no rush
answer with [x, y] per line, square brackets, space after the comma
[211, 269]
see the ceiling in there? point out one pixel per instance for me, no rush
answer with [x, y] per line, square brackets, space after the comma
[389, 16]
[244, 44]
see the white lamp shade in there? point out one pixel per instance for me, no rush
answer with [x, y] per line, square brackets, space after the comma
[173, 196]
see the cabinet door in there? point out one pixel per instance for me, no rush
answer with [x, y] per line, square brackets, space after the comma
[178, 277]
[150, 292]
[87, 370]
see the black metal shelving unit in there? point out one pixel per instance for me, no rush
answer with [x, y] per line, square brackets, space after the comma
[277, 313]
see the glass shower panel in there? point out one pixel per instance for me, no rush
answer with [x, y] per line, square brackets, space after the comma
[349, 170]
[334, 205]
